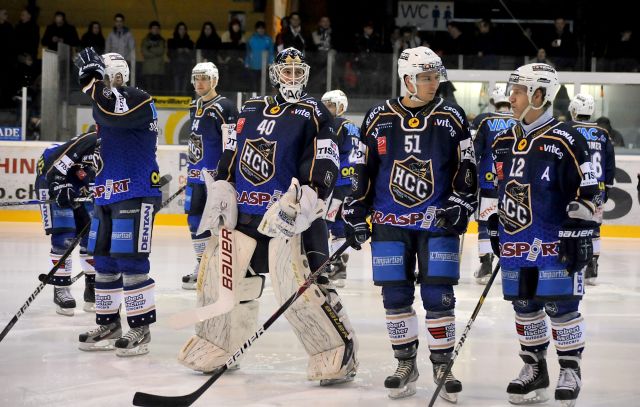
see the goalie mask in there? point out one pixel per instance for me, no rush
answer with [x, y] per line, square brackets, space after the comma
[338, 99]
[289, 74]
[582, 105]
[533, 77]
[417, 60]
[115, 64]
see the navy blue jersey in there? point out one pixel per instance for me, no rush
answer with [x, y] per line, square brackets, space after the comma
[538, 174]
[484, 129]
[348, 137]
[602, 153]
[276, 141]
[59, 160]
[409, 163]
[128, 128]
[205, 141]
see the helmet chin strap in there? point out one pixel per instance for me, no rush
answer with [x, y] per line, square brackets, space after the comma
[414, 95]
[528, 108]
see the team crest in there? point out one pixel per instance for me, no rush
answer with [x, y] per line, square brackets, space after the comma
[257, 161]
[196, 148]
[414, 122]
[515, 211]
[274, 110]
[522, 144]
[411, 181]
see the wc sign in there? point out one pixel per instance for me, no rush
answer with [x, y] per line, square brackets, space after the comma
[10, 133]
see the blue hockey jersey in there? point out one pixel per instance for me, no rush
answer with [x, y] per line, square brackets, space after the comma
[276, 141]
[348, 137]
[410, 162]
[127, 124]
[484, 129]
[205, 141]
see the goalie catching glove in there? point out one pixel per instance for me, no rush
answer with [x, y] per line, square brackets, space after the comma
[293, 213]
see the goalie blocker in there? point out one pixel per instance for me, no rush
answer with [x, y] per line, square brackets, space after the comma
[332, 355]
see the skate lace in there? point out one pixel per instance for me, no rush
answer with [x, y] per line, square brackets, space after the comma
[134, 334]
[404, 368]
[63, 294]
[440, 370]
[98, 330]
[528, 373]
[568, 378]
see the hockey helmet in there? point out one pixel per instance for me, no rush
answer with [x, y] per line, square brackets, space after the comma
[204, 69]
[536, 76]
[115, 64]
[582, 105]
[413, 61]
[289, 74]
[338, 98]
[499, 95]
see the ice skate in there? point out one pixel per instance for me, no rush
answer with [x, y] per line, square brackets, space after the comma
[189, 281]
[591, 272]
[89, 293]
[569, 382]
[350, 367]
[483, 274]
[135, 342]
[452, 386]
[338, 271]
[402, 383]
[530, 387]
[65, 303]
[101, 338]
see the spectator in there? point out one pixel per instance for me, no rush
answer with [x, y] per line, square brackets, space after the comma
[486, 47]
[408, 39]
[27, 35]
[294, 37]
[615, 135]
[561, 45]
[153, 48]
[181, 57]
[60, 32]
[394, 39]
[322, 36]
[93, 37]
[369, 41]
[121, 40]
[623, 52]
[367, 63]
[208, 42]
[458, 43]
[284, 27]
[258, 43]
[232, 62]
[233, 38]
[541, 57]
[7, 51]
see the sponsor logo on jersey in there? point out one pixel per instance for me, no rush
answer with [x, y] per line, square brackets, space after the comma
[591, 134]
[373, 114]
[326, 149]
[564, 134]
[240, 125]
[197, 174]
[522, 144]
[499, 171]
[254, 198]
[553, 149]
[500, 124]
[382, 145]
[111, 187]
[196, 148]
[155, 179]
[383, 261]
[455, 113]
[411, 181]
[302, 112]
[257, 160]
[397, 220]
[45, 210]
[144, 231]
[515, 211]
[588, 174]
[531, 250]
[444, 256]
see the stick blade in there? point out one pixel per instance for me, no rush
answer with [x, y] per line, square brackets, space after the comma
[153, 400]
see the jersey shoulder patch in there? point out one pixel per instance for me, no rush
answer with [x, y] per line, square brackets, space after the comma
[375, 110]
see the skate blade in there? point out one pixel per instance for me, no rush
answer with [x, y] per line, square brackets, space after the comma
[339, 283]
[189, 286]
[591, 281]
[67, 312]
[89, 307]
[450, 397]
[567, 403]
[142, 349]
[483, 280]
[406, 391]
[535, 397]
[340, 380]
[103, 345]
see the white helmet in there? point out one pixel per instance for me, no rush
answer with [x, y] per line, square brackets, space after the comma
[114, 64]
[499, 95]
[290, 87]
[413, 61]
[338, 98]
[204, 69]
[535, 76]
[582, 105]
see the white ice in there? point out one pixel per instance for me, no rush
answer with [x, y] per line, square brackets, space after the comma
[40, 364]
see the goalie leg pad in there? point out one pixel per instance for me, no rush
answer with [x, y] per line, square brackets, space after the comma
[317, 318]
[215, 340]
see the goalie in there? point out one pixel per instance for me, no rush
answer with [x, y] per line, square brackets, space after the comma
[266, 221]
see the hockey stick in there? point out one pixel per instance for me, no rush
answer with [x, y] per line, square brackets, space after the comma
[42, 202]
[60, 262]
[146, 399]
[463, 337]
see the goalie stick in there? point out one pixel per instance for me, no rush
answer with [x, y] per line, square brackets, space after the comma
[152, 400]
[60, 262]
[463, 337]
[41, 202]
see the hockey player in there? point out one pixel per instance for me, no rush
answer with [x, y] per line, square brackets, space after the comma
[416, 175]
[548, 197]
[348, 137]
[484, 128]
[277, 224]
[126, 196]
[66, 172]
[208, 113]
[603, 158]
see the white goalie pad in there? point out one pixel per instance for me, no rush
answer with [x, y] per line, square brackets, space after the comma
[221, 208]
[326, 334]
[221, 278]
[334, 209]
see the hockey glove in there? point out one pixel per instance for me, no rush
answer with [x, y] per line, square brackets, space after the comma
[221, 208]
[356, 226]
[64, 194]
[576, 248]
[455, 217]
[492, 231]
[90, 65]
